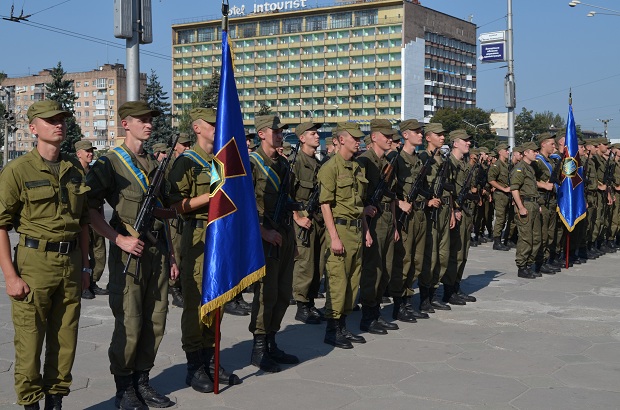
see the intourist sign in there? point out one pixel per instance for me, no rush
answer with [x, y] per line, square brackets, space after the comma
[267, 6]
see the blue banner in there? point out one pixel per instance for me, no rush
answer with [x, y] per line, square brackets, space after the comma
[233, 257]
[571, 192]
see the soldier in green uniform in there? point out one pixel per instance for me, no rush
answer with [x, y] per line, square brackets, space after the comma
[578, 237]
[84, 151]
[502, 198]
[409, 251]
[614, 228]
[139, 304]
[440, 219]
[272, 293]
[190, 178]
[463, 214]
[605, 198]
[306, 273]
[42, 195]
[592, 198]
[543, 167]
[343, 187]
[481, 213]
[510, 233]
[381, 234]
[527, 210]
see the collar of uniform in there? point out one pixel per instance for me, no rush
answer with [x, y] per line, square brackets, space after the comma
[268, 161]
[409, 157]
[65, 162]
[198, 149]
[339, 159]
[375, 158]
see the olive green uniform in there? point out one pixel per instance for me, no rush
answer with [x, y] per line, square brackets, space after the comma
[139, 305]
[498, 172]
[375, 275]
[483, 214]
[97, 254]
[592, 199]
[523, 179]
[48, 211]
[615, 219]
[273, 292]
[409, 251]
[306, 273]
[601, 212]
[189, 179]
[543, 167]
[176, 234]
[343, 185]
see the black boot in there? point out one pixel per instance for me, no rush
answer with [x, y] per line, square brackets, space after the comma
[498, 245]
[53, 402]
[425, 302]
[242, 303]
[147, 393]
[347, 334]
[233, 308]
[277, 354]
[416, 314]
[196, 376]
[177, 296]
[208, 360]
[126, 398]
[369, 322]
[463, 295]
[33, 406]
[525, 273]
[436, 303]
[317, 312]
[334, 336]
[260, 356]
[450, 296]
[400, 311]
[96, 290]
[305, 315]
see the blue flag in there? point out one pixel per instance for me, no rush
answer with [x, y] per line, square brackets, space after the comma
[571, 193]
[233, 257]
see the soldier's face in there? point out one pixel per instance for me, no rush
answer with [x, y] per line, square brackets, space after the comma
[349, 144]
[204, 130]
[462, 145]
[517, 156]
[181, 148]
[139, 127]
[414, 136]
[435, 140]
[310, 138]
[273, 138]
[85, 156]
[383, 142]
[50, 130]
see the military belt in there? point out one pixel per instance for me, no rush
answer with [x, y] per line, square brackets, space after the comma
[348, 222]
[529, 199]
[197, 223]
[63, 248]
[419, 205]
[445, 200]
[385, 206]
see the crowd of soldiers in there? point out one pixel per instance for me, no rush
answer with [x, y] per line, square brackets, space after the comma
[371, 224]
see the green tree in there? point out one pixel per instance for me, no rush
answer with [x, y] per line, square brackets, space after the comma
[475, 121]
[264, 110]
[529, 124]
[206, 96]
[156, 97]
[61, 90]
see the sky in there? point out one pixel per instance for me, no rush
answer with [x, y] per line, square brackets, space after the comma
[556, 47]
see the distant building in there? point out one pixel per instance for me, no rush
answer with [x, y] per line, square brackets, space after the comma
[99, 92]
[352, 61]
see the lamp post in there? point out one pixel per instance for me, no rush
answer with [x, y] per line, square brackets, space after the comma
[475, 127]
[7, 126]
[575, 3]
[605, 122]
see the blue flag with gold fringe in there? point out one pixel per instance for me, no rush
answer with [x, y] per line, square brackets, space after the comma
[571, 192]
[233, 257]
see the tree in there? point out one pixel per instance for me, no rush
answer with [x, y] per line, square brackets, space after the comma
[528, 124]
[264, 110]
[156, 97]
[206, 96]
[461, 118]
[61, 90]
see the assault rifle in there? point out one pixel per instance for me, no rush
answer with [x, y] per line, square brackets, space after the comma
[386, 176]
[438, 185]
[608, 177]
[466, 188]
[143, 226]
[554, 178]
[416, 188]
[312, 206]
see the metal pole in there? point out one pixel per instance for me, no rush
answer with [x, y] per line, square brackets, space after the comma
[5, 154]
[511, 81]
[133, 55]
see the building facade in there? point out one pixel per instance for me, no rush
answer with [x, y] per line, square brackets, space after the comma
[99, 92]
[357, 61]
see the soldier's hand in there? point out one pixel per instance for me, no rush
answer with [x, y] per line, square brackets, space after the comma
[434, 203]
[396, 235]
[370, 211]
[337, 247]
[452, 220]
[368, 239]
[405, 206]
[85, 280]
[548, 186]
[17, 288]
[458, 215]
[272, 236]
[130, 244]
[523, 211]
[174, 271]
[304, 222]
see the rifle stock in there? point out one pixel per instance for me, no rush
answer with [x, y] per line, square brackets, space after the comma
[416, 188]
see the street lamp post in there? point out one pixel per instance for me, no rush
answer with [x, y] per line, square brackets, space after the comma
[475, 127]
[7, 126]
[612, 12]
[605, 122]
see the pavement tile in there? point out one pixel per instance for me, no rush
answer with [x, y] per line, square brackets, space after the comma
[600, 375]
[562, 398]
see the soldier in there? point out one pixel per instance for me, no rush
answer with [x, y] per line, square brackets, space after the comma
[140, 303]
[483, 213]
[84, 151]
[527, 210]
[592, 198]
[272, 293]
[381, 234]
[306, 273]
[42, 195]
[343, 186]
[440, 219]
[249, 140]
[409, 251]
[502, 199]
[183, 144]
[510, 233]
[160, 151]
[190, 179]
[544, 167]
[605, 164]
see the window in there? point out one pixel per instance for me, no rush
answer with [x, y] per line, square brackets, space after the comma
[85, 83]
[293, 25]
[186, 36]
[206, 34]
[78, 84]
[342, 20]
[246, 30]
[316, 23]
[366, 17]
[269, 28]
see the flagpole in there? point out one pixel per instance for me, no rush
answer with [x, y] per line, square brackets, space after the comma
[567, 248]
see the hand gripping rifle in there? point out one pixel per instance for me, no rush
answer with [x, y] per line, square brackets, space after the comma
[439, 185]
[283, 203]
[149, 210]
[312, 206]
[554, 178]
[464, 193]
[416, 188]
[608, 177]
[381, 189]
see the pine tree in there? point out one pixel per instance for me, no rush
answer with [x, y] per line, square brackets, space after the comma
[61, 90]
[264, 110]
[156, 97]
[206, 96]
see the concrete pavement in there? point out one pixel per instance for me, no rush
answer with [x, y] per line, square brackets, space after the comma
[547, 343]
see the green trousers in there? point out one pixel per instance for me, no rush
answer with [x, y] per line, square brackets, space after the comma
[307, 269]
[437, 248]
[375, 275]
[460, 236]
[343, 272]
[548, 227]
[49, 313]
[529, 235]
[140, 307]
[409, 255]
[97, 254]
[501, 201]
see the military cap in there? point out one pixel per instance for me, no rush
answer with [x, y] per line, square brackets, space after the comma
[46, 109]
[136, 109]
[306, 126]
[581, 141]
[474, 151]
[459, 134]
[83, 144]
[249, 135]
[591, 141]
[382, 126]
[268, 121]
[434, 127]
[350, 127]
[367, 140]
[410, 125]
[329, 142]
[560, 134]
[544, 136]
[604, 141]
[286, 148]
[530, 145]
[501, 147]
[518, 148]
[483, 149]
[206, 114]
[615, 146]
[184, 138]
[160, 147]
[396, 136]
[493, 154]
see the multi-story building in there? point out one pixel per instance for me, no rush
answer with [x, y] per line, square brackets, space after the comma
[360, 60]
[99, 92]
